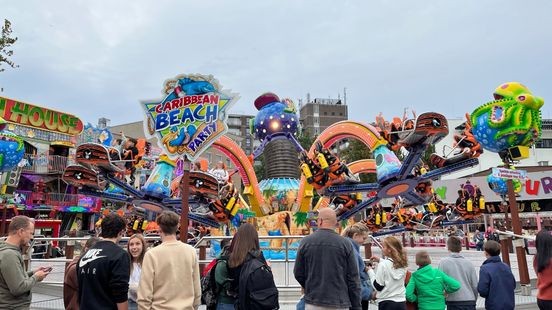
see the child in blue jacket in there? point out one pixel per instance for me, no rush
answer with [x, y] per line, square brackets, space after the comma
[496, 281]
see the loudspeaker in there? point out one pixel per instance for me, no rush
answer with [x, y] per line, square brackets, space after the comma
[13, 180]
[519, 152]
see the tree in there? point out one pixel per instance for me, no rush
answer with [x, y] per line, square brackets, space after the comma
[356, 151]
[306, 141]
[259, 168]
[6, 41]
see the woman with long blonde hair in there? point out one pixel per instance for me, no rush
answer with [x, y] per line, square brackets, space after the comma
[390, 275]
[136, 247]
[357, 235]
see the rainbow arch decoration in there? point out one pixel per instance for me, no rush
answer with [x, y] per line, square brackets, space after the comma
[365, 133]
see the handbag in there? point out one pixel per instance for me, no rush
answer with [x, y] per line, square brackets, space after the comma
[409, 305]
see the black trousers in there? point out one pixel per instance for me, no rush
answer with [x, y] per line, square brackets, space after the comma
[391, 305]
[460, 307]
[544, 304]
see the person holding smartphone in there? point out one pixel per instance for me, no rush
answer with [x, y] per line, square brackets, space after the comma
[15, 282]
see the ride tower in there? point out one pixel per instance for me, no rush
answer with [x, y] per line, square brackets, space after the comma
[276, 127]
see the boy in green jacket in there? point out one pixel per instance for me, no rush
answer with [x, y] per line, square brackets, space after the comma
[428, 285]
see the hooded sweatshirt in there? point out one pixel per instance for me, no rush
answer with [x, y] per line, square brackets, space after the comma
[388, 281]
[462, 270]
[427, 286]
[15, 282]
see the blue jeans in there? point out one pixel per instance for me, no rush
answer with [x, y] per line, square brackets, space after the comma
[132, 305]
[365, 290]
[301, 304]
[221, 306]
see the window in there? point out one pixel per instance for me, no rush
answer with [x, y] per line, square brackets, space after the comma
[333, 113]
[234, 121]
[325, 113]
[340, 114]
[544, 144]
[234, 131]
[543, 163]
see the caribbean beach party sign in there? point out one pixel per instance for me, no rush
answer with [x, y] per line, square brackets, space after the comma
[191, 117]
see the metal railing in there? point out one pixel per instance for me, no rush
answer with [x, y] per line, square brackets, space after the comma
[201, 245]
[44, 164]
[51, 199]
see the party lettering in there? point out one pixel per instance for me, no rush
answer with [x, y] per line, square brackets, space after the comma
[202, 136]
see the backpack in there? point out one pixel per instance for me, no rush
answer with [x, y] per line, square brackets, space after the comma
[257, 290]
[494, 237]
[209, 287]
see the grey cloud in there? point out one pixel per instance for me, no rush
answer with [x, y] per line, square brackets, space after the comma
[89, 57]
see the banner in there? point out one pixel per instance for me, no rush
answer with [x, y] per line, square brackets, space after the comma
[22, 113]
[191, 117]
[509, 173]
[537, 186]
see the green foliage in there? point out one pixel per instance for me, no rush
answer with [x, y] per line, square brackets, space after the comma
[300, 218]
[259, 168]
[427, 154]
[357, 151]
[246, 213]
[5, 42]
[306, 141]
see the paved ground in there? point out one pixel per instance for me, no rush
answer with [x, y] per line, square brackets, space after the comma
[283, 273]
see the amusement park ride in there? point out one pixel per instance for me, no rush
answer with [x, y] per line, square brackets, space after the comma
[401, 199]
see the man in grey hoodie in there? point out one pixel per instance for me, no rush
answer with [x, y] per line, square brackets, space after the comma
[15, 282]
[461, 269]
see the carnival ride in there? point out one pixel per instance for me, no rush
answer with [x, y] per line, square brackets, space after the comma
[213, 203]
[96, 174]
[401, 199]
[408, 183]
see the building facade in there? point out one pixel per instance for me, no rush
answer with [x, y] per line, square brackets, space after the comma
[35, 187]
[317, 115]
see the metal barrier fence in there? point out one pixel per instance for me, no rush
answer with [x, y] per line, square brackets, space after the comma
[201, 245]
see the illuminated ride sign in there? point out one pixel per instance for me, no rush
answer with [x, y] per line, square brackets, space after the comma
[191, 116]
[38, 117]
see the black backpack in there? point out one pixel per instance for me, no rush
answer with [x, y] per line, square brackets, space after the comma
[494, 237]
[257, 290]
[209, 287]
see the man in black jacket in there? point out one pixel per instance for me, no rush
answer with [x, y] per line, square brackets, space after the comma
[326, 267]
[104, 270]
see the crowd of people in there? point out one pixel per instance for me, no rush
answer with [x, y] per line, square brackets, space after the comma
[329, 267]
[454, 284]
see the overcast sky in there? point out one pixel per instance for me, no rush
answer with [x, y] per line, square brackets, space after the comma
[100, 58]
